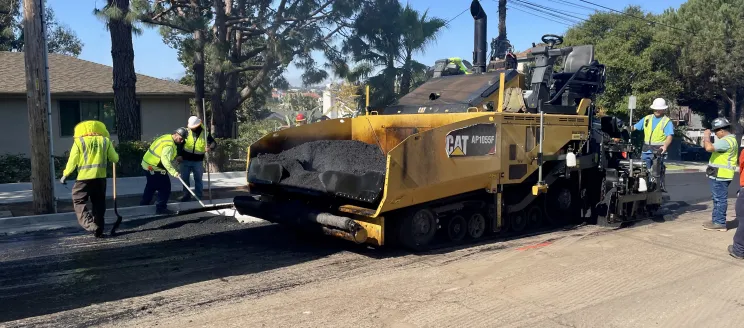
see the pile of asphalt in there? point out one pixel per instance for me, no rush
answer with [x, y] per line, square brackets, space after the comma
[305, 162]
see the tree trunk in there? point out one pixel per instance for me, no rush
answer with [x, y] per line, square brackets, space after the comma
[405, 83]
[734, 115]
[223, 119]
[502, 20]
[128, 123]
[199, 73]
[36, 101]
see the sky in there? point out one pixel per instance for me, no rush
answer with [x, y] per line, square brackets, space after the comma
[523, 26]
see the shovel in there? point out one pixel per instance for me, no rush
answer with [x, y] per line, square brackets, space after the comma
[189, 189]
[116, 210]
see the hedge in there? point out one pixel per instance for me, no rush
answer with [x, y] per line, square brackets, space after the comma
[17, 167]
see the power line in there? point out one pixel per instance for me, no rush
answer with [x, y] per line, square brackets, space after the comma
[458, 15]
[547, 12]
[575, 5]
[536, 6]
[636, 17]
[536, 15]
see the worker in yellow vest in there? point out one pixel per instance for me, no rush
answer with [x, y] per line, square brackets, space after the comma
[90, 153]
[192, 156]
[721, 169]
[157, 164]
[658, 132]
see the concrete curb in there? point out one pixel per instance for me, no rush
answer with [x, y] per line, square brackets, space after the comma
[32, 223]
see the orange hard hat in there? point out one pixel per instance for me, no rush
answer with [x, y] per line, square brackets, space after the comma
[300, 117]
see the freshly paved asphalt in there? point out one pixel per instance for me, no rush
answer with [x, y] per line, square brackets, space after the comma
[694, 187]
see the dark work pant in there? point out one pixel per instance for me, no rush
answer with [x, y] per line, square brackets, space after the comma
[719, 190]
[739, 235]
[95, 190]
[160, 183]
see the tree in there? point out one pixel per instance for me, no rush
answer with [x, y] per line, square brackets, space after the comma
[418, 32]
[36, 93]
[257, 37]
[637, 60]
[119, 21]
[60, 38]
[712, 55]
[384, 38]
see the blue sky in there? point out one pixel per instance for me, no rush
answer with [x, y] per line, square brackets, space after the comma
[152, 57]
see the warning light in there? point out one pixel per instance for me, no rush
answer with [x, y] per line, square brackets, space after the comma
[625, 155]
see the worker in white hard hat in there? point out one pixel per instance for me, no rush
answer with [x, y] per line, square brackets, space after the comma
[658, 132]
[192, 156]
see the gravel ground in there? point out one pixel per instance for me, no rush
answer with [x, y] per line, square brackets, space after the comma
[196, 271]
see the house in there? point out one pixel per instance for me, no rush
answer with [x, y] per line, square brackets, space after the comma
[82, 90]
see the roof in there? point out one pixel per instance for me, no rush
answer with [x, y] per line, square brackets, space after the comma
[456, 93]
[72, 76]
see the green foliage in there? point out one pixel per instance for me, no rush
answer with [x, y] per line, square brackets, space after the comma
[711, 59]
[247, 47]
[637, 61]
[60, 38]
[384, 38]
[130, 158]
[17, 168]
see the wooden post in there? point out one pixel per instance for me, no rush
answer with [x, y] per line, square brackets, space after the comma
[38, 102]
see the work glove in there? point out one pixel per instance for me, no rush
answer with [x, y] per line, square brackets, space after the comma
[174, 174]
[63, 180]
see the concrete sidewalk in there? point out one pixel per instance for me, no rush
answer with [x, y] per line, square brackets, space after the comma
[21, 192]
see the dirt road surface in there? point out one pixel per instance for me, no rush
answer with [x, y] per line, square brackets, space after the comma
[197, 272]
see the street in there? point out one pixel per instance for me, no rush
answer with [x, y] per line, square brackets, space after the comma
[193, 271]
[693, 187]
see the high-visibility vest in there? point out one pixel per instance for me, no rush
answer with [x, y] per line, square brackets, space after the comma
[93, 156]
[195, 145]
[725, 163]
[653, 137]
[153, 155]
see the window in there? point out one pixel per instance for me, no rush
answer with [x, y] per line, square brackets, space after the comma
[72, 112]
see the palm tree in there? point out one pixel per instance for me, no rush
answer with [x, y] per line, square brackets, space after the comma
[418, 32]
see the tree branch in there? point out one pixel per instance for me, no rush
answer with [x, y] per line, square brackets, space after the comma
[149, 20]
[245, 69]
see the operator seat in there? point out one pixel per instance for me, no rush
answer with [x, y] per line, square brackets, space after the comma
[579, 56]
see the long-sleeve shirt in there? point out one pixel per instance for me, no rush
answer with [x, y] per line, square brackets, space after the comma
[165, 160]
[165, 156]
[75, 154]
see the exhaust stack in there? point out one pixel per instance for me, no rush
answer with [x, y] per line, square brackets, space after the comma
[479, 49]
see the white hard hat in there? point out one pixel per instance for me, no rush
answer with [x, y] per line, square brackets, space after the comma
[194, 122]
[659, 104]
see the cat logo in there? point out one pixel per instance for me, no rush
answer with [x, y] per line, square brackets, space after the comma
[474, 140]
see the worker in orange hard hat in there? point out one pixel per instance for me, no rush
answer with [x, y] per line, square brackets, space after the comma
[300, 119]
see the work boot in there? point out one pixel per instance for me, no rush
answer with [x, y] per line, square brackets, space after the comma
[185, 198]
[714, 226]
[733, 253]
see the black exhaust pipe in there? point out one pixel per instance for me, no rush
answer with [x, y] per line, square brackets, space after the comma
[479, 50]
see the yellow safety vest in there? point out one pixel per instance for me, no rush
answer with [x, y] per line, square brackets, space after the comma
[152, 156]
[195, 145]
[725, 163]
[655, 136]
[93, 157]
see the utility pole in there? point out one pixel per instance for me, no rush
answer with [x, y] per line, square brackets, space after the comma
[38, 101]
[502, 20]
